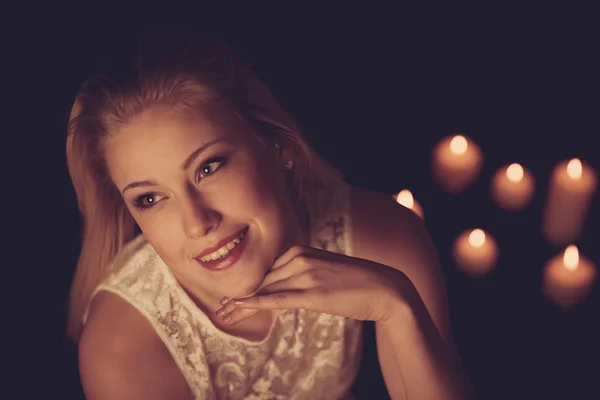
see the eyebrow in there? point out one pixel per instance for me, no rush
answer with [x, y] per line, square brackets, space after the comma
[186, 164]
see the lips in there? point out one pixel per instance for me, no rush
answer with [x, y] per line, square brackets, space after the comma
[230, 258]
[220, 244]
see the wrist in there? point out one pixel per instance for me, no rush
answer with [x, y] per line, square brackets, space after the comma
[397, 311]
[402, 302]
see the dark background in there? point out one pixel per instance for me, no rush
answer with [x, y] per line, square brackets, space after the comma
[374, 89]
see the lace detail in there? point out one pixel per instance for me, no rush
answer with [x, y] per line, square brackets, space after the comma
[304, 355]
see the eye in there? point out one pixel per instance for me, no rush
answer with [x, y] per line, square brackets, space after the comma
[145, 201]
[149, 200]
[210, 167]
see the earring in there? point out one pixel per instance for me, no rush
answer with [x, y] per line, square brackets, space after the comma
[289, 164]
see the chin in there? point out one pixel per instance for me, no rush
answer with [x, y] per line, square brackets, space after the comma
[243, 290]
[244, 284]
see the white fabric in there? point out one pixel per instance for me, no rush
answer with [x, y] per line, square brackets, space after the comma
[305, 355]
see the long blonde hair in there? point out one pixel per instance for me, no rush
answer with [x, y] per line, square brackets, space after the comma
[178, 69]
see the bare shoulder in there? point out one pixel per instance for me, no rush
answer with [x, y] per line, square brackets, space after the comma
[121, 357]
[378, 220]
[388, 233]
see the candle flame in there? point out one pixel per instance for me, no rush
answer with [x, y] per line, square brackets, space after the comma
[571, 257]
[477, 238]
[514, 172]
[406, 198]
[574, 168]
[459, 145]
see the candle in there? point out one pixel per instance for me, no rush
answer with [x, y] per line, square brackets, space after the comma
[572, 186]
[512, 187]
[568, 278]
[456, 162]
[475, 252]
[406, 198]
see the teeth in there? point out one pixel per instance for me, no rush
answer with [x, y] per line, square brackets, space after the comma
[223, 251]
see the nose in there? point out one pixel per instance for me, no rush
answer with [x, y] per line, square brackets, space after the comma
[199, 219]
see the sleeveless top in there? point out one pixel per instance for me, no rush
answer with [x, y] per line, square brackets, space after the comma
[305, 355]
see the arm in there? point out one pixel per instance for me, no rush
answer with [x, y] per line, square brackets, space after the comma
[121, 357]
[418, 356]
[416, 350]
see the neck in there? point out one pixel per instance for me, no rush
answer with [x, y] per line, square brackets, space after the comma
[209, 302]
[303, 217]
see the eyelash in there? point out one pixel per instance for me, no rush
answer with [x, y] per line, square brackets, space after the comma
[138, 203]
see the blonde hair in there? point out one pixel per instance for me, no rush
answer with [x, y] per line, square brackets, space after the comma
[175, 69]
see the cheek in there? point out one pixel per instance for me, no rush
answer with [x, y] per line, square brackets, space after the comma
[165, 236]
[255, 186]
[260, 196]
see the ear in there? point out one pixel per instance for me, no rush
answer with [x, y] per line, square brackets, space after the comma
[284, 153]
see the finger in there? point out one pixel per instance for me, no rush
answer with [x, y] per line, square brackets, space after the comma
[278, 300]
[238, 315]
[293, 267]
[289, 255]
[301, 281]
[309, 252]
[226, 309]
[296, 260]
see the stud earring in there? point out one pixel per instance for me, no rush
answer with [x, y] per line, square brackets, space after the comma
[277, 146]
[289, 165]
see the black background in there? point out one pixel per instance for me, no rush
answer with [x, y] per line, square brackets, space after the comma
[374, 89]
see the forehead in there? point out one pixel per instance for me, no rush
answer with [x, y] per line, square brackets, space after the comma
[170, 127]
[160, 139]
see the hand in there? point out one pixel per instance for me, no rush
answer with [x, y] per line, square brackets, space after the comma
[322, 281]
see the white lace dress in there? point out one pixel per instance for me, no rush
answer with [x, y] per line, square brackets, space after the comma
[305, 355]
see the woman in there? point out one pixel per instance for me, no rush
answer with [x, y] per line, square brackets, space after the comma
[223, 258]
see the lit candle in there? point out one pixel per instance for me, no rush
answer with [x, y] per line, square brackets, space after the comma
[456, 163]
[512, 187]
[568, 278]
[572, 186]
[406, 198]
[475, 252]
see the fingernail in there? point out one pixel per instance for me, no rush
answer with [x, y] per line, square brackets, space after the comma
[220, 311]
[238, 302]
[227, 319]
[224, 300]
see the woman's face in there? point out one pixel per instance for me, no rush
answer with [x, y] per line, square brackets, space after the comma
[193, 183]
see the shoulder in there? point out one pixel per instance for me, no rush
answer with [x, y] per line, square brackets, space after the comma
[378, 220]
[387, 233]
[121, 357]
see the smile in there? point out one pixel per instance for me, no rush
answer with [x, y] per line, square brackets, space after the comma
[223, 251]
[226, 255]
